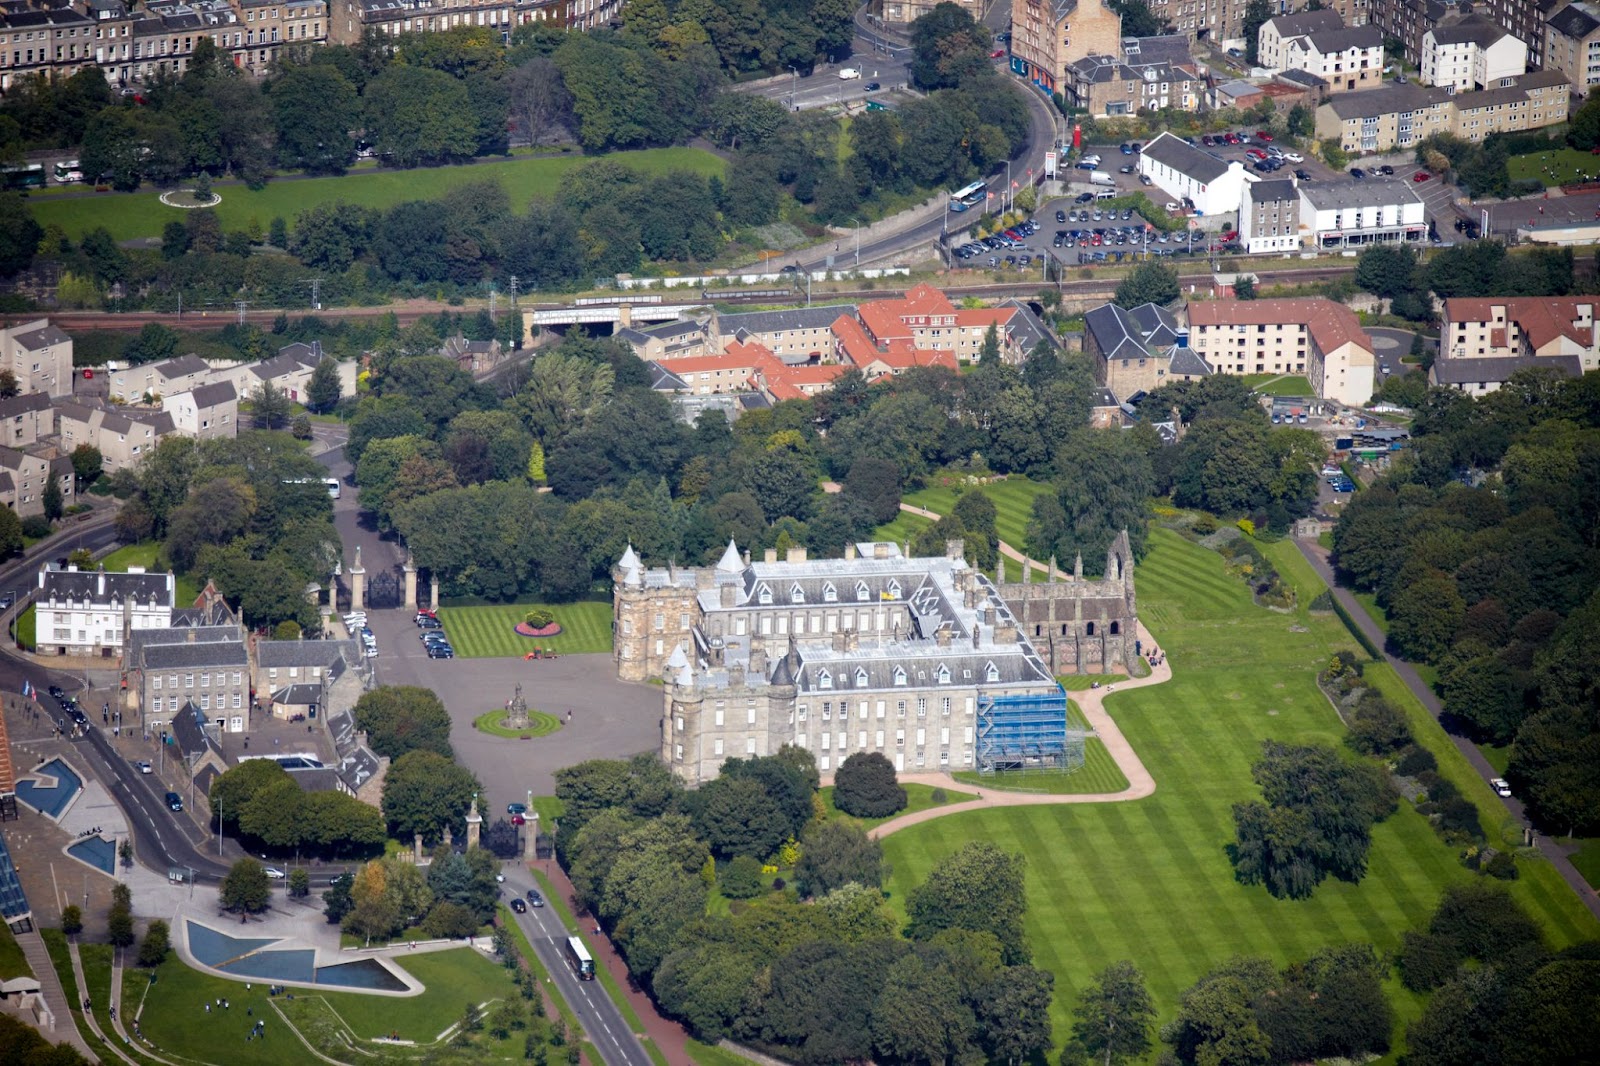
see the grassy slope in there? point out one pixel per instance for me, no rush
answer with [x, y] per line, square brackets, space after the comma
[1098, 774]
[1149, 880]
[12, 963]
[476, 632]
[918, 798]
[1013, 500]
[141, 214]
[144, 554]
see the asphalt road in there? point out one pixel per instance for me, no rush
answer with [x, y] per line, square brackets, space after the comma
[602, 1021]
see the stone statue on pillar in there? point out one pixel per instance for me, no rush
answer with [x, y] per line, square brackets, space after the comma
[517, 712]
[474, 824]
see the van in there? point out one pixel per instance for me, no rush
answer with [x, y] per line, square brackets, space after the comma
[1100, 177]
[849, 74]
[1106, 194]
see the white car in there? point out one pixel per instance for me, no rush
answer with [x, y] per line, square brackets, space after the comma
[1294, 157]
[1501, 786]
[144, 767]
[1173, 208]
[849, 74]
[274, 873]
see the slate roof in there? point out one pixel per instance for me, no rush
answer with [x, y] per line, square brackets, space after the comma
[301, 695]
[357, 763]
[1474, 29]
[1263, 192]
[140, 639]
[182, 366]
[1575, 20]
[1307, 22]
[1116, 333]
[1499, 368]
[1190, 362]
[1185, 158]
[1386, 100]
[24, 403]
[43, 337]
[1342, 40]
[664, 380]
[1026, 328]
[1334, 195]
[774, 321]
[1171, 48]
[212, 395]
[1304, 78]
[80, 585]
[270, 653]
[190, 733]
[184, 656]
[315, 778]
[1158, 325]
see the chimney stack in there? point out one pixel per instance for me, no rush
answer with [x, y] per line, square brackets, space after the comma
[771, 555]
[880, 550]
[849, 551]
[955, 548]
[796, 554]
[942, 636]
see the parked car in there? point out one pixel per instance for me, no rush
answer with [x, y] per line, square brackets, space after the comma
[849, 74]
[1061, 216]
[144, 766]
[1500, 785]
[274, 873]
[1421, 176]
[174, 801]
[1144, 179]
[441, 651]
[1302, 175]
[998, 53]
[1358, 173]
[1386, 170]
[1125, 169]
[871, 87]
[1294, 157]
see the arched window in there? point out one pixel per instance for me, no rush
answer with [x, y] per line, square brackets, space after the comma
[1036, 630]
[1090, 629]
[1116, 628]
[1063, 629]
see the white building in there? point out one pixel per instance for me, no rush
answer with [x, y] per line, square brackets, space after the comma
[1276, 32]
[1347, 59]
[88, 612]
[1350, 214]
[1215, 186]
[1269, 221]
[39, 355]
[205, 412]
[1473, 53]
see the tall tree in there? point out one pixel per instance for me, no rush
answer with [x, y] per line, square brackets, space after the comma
[1112, 1020]
[246, 888]
[979, 888]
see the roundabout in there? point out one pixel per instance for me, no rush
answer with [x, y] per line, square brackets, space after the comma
[540, 724]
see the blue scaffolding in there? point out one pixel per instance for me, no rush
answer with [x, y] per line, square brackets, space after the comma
[1028, 733]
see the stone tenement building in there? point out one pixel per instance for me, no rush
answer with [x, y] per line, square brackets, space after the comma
[924, 660]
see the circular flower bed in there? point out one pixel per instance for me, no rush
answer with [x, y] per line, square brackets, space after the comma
[186, 199]
[525, 630]
[540, 724]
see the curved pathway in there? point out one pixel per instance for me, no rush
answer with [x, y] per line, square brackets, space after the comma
[1091, 702]
[1005, 549]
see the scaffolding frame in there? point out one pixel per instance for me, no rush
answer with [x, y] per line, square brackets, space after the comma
[1028, 734]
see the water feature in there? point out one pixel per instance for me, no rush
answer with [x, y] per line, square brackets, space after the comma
[51, 799]
[259, 958]
[213, 948]
[97, 851]
[363, 973]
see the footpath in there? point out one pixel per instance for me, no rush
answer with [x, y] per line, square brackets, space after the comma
[1551, 849]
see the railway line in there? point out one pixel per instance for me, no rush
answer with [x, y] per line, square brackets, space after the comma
[408, 313]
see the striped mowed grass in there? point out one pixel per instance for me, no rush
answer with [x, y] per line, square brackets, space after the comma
[1013, 504]
[1149, 880]
[490, 632]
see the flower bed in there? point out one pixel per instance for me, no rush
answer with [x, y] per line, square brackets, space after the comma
[523, 629]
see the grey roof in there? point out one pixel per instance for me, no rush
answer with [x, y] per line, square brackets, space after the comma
[1105, 398]
[1473, 29]
[1171, 48]
[1263, 192]
[315, 778]
[23, 403]
[1575, 20]
[212, 395]
[182, 366]
[140, 639]
[301, 695]
[1100, 69]
[1116, 333]
[1342, 40]
[664, 380]
[189, 730]
[184, 656]
[42, 337]
[357, 762]
[1385, 100]
[1448, 371]
[1369, 193]
[1026, 328]
[271, 653]
[278, 366]
[1307, 22]
[665, 330]
[1158, 325]
[1238, 87]
[1185, 158]
[80, 585]
[776, 321]
[1190, 362]
[1304, 78]
[300, 352]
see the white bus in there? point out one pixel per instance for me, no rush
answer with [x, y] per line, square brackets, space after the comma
[68, 171]
[578, 958]
[969, 196]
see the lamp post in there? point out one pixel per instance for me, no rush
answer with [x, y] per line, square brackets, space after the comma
[1008, 186]
[857, 222]
[794, 87]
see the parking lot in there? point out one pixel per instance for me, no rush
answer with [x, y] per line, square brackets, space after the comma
[1076, 230]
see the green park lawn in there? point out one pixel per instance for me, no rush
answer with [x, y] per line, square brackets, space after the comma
[1569, 165]
[1149, 880]
[1280, 384]
[918, 798]
[1013, 502]
[12, 963]
[142, 214]
[905, 527]
[1587, 861]
[1098, 775]
[174, 1019]
[483, 632]
[144, 554]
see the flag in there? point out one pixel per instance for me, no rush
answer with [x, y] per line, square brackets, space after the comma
[28, 689]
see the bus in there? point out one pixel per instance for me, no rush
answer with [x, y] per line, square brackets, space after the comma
[68, 171]
[969, 196]
[29, 176]
[578, 958]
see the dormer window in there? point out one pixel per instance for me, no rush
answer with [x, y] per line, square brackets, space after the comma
[862, 592]
[991, 673]
[797, 594]
[894, 589]
[861, 678]
[764, 594]
[829, 593]
[943, 675]
[900, 675]
[824, 680]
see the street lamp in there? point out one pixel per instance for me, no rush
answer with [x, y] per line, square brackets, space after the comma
[794, 87]
[857, 222]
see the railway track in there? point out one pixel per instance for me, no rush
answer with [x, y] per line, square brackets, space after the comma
[407, 314]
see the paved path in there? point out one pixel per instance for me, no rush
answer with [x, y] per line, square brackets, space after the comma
[1091, 702]
[1318, 557]
[1005, 549]
[55, 996]
[88, 1015]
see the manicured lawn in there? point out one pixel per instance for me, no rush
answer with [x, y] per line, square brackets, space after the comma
[1587, 861]
[23, 628]
[1080, 682]
[144, 554]
[1569, 165]
[1099, 774]
[918, 798]
[1149, 880]
[1013, 502]
[1279, 384]
[142, 214]
[711, 1055]
[904, 528]
[539, 724]
[12, 964]
[479, 632]
[1498, 755]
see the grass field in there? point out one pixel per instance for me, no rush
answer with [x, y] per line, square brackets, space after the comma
[918, 798]
[144, 554]
[482, 632]
[711, 1055]
[540, 724]
[1079, 682]
[1587, 861]
[1149, 880]
[12, 963]
[1013, 500]
[905, 527]
[1099, 774]
[1569, 166]
[142, 214]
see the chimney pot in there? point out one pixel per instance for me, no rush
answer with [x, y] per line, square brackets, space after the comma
[771, 555]
[880, 550]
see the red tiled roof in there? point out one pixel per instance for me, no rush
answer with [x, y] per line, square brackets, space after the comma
[1541, 319]
[1331, 324]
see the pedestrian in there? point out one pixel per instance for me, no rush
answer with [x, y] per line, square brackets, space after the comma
[208, 1008]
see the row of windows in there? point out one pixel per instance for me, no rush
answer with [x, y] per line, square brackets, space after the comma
[188, 679]
[841, 740]
[173, 702]
[991, 675]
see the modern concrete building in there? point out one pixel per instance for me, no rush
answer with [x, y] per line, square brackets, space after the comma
[1215, 186]
[1346, 214]
[1347, 59]
[26, 419]
[1395, 116]
[39, 356]
[1312, 336]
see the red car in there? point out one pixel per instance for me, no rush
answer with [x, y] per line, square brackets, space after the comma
[998, 53]
[1232, 138]
[1420, 176]
[1231, 235]
[1255, 153]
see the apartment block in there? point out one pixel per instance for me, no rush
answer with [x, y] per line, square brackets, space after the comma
[1484, 341]
[1312, 336]
[1269, 221]
[39, 356]
[1048, 36]
[1472, 53]
[1571, 38]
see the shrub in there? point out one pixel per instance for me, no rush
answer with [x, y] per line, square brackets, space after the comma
[36, 526]
[1500, 865]
[448, 920]
[938, 796]
[1205, 525]
[1416, 760]
[741, 878]
[1378, 727]
[72, 920]
[539, 617]
[866, 786]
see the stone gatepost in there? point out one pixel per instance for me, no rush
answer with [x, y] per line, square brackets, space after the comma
[411, 582]
[433, 591]
[358, 584]
[530, 843]
[417, 846]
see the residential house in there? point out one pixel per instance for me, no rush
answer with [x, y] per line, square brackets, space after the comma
[879, 359]
[90, 612]
[52, 42]
[169, 377]
[123, 435]
[1471, 53]
[196, 740]
[1310, 336]
[271, 24]
[361, 770]
[473, 357]
[777, 381]
[39, 356]
[1275, 33]
[799, 335]
[1270, 218]
[206, 412]
[684, 339]
[1408, 21]
[23, 477]
[1571, 36]
[336, 666]
[1048, 36]
[1133, 351]
[1130, 83]
[1218, 21]
[354, 20]
[113, 38]
[207, 666]
[730, 372]
[925, 318]
[1184, 172]
[26, 419]
[1347, 59]
[1483, 341]
[1350, 214]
